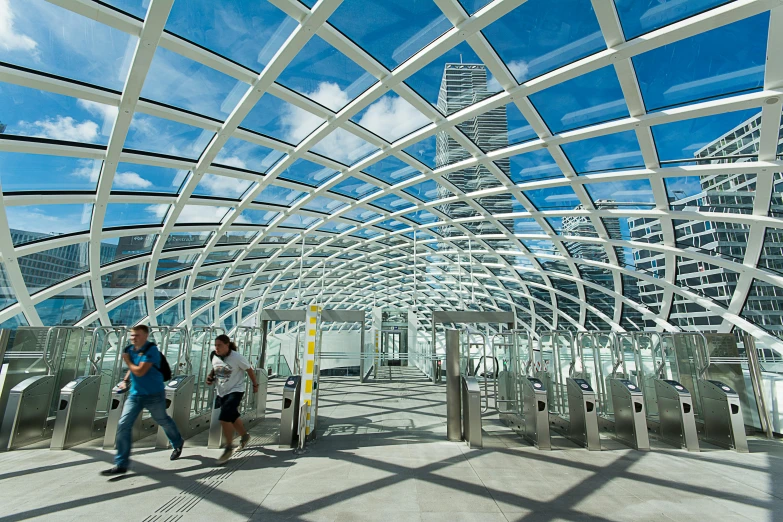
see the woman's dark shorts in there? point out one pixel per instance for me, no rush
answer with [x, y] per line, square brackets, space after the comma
[229, 406]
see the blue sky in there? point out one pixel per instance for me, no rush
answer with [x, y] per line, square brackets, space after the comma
[534, 39]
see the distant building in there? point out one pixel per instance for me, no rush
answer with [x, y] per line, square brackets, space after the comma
[463, 85]
[718, 193]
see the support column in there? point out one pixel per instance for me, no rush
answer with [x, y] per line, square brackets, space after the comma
[309, 379]
[377, 322]
[453, 392]
[413, 336]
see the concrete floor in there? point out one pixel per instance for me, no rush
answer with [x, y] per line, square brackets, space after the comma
[382, 455]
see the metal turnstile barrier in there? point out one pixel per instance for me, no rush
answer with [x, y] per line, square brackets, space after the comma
[289, 413]
[722, 415]
[26, 415]
[535, 405]
[471, 412]
[140, 430]
[630, 420]
[179, 394]
[75, 417]
[583, 414]
[677, 420]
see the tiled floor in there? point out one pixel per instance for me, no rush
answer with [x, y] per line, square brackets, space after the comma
[382, 455]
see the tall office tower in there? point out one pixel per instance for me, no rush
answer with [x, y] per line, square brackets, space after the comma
[733, 193]
[463, 85]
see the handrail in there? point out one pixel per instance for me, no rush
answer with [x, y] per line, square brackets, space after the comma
[706, 354]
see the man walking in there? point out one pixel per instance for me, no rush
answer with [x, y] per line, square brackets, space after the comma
[146, 391]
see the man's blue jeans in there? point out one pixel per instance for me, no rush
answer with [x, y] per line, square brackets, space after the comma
[156, 404]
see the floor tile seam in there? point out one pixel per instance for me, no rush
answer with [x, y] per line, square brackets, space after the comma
[269, 492]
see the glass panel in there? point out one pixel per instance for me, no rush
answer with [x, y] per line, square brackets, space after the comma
[298, 221]
[170, 264]
[281, 120]
[621, 194]
[222, 186]
[119, 282]
[611, 152]
[152, 134]
[181, 82]
[722, 193]
[391, 118]
[714, 136]
[523, 226]
[168, 291]
[324, 205]
[277, 195]
[247, 32]
[515, 130]
[202, 214]
[530, 166]
[343, 146]
[249, 156]
[42, 36]
[423, 151]
[391, 203]
[130, 214]
[642, 16]
[256, 217]
[47, 115]
[38, 173]
[137, 177]
[392, 32]
[705, 66]
[129, 313]
[360, 214]
[355, 188]
[237, 237]
[172, 316]
[68, 307]
[307, 173]
[427, 191]
[44, 269]
[7, 295]
[32, 223]
[186, 239]
[553, 198]
[588, 99]
[391, 170]
[542, 35]
[221, 256]
[117, 248]
[421, 217]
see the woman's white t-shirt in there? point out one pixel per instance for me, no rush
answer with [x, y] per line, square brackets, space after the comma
[230, 373]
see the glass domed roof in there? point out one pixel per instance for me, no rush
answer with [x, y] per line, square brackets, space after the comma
[587, 165]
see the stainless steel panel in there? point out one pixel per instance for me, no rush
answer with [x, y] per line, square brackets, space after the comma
[289, 412]
[453, 394]
[583, 414]
[140, 429]
[179, 395]
[722, 415]
[535, 407]
[25, 419]
[677, 423]
[471, 412]
[75, 417]
[630, 419]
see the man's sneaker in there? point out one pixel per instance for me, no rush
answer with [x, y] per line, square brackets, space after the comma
[243, 441]
[116, 470]
[226, 455]
[176, 453]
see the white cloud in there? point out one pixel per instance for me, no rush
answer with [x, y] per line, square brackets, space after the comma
[107, 113]
[48, 221]
[231, 161]
[223, 185]
[9, 38]
[518, 68]
[62, 128]
[158, 211]
[201, 214]
[130, 180]
[392, 117]
[88, 169]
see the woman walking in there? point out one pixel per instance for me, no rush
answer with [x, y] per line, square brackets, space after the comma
[228, 369]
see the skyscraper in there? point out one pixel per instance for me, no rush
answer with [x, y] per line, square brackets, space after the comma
[462, 86]
[732, 193]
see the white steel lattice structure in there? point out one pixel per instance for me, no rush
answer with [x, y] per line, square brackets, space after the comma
[346, 234]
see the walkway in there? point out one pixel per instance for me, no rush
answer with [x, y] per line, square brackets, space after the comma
[382, 455]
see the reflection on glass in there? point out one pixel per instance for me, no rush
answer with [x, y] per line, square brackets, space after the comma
[360, 214]
[144, 178]
[34, 223]
[7, 294]
[588, 99]
[421, 217]
[542, 35]
[42, 36]
[531, 166]
[299, 221]
[303, 171]
[324, 205]
[129, 313]
[130, 214]
[276, 195]
[117, 248]
[355, 188]
[707, 65]
[186, 239]
[242, 154]
[423, 151]
[44, 269]
[221, 186]
[391, 203]
[343, 146]
[427, 191]
[153, 134]
[120, 281]
[642, 16]
[392, 32]
[621, 194]
[391, 118]
[610, 152]
[256, 217]
[169, 263]
[279, 119]
[38, 172]
[247, 32]
[202, 214]
[67, 307]
[553, 198]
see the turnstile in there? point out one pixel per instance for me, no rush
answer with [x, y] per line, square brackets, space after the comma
[583, 414]
[27, 411]
[676, 416]
[471, 412]
[75, 418]
[253, 409]
[179, 394]
[506, 396]
[630, 420]
[535, 407]
[289, 413]
[722, 414]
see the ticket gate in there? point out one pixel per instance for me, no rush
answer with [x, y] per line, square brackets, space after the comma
[583, 414]
[289, 413]
[471, 412]
[630, 420]
[677, 420]
[179, 395]
[722, 415]
[74, 421]
[27, 411]
[535, 406]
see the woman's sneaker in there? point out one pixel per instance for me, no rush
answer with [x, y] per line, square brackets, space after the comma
[243, 441]
[226, 455]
